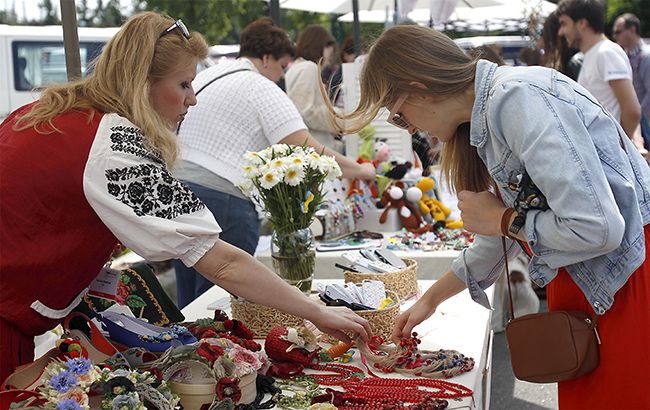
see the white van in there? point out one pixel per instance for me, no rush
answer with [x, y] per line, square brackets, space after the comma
[33, 57]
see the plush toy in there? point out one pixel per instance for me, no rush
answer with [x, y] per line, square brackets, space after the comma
[434, 208]
[393, 198]
[366, 146]
[367, 153]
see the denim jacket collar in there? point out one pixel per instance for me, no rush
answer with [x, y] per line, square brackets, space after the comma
[478, 130]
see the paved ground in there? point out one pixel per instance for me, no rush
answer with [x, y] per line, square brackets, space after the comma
[508, 393]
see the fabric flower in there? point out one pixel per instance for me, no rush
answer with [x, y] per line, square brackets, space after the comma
[245, 361]
[209, 352]
[68, 404]
[78, 395]
[79, 365]
[126, 402]
[63, 381]
[228, 387]
[119, 385]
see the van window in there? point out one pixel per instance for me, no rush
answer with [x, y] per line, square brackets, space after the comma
[38, 64]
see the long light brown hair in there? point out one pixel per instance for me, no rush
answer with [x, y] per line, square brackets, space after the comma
[408, 54]
[121, 79]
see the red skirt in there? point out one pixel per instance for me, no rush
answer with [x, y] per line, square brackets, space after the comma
[622, 378]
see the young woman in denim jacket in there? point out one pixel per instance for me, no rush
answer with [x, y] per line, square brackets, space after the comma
[497, 123]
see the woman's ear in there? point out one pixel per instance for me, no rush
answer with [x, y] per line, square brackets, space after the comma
[265, 60]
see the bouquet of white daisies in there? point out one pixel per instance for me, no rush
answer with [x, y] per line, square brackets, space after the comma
[287, 182]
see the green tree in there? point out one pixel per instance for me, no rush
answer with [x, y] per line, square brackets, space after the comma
[640, 8]
[8, 17]
[104, 14]
[51, 16]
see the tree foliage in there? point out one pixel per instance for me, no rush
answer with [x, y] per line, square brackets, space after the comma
[640, 8]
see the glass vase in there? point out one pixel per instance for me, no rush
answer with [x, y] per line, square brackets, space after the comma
[294, 257]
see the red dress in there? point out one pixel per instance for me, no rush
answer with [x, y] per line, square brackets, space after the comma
[622, 378]
[67, 198]
[49, 254]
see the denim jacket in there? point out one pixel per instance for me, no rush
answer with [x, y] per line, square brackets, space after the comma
[535, 119]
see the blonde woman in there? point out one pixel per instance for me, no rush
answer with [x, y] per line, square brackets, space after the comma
[498, 124]
[87, 165]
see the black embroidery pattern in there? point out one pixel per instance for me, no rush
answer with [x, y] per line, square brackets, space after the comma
[150, 190]
[131, 141]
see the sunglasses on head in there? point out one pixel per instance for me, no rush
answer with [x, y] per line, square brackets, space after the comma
[178, 24]
[396, 118]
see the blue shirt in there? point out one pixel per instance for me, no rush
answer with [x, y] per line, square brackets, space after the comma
[537, 120]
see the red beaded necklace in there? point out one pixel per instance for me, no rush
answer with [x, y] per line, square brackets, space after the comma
[338, 373]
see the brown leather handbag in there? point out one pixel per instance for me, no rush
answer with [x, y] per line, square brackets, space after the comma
[553, 346]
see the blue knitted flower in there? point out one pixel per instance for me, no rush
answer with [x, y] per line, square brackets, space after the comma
[79, 365]
[63, 381]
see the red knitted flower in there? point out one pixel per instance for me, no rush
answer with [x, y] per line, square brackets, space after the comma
[228, 387]
[238, 329]
[209, 352]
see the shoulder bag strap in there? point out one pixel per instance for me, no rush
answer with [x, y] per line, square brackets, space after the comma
[210, 82]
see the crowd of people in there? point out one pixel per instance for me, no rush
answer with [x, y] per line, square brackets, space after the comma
[147, 153]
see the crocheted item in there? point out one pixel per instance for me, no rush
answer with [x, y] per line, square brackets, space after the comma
[280, 349]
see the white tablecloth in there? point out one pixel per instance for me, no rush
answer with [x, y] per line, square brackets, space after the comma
[431, 265]
[458, 324]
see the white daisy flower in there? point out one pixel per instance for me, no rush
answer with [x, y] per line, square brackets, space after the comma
[278, 164]
[253, 158]
[251, 171]
[294, 175]
[269, 180]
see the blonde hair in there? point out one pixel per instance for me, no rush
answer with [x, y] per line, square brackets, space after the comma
[408, 54]
[121, 79]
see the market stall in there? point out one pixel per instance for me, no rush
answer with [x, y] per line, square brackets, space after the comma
[458, 324]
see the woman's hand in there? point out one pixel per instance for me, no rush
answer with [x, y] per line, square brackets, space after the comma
[337, 321]
[412, 317]
[481, 212]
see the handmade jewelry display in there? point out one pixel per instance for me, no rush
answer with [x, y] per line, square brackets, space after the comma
[407, 358]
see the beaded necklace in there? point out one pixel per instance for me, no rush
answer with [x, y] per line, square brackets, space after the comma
[407, 358]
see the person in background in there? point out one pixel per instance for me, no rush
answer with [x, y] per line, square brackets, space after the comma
[87, 166]
[590, 246]
[240, 109]
[303, 81]
[606, 70]
[557, 53]
[334, 82]
[626, 32]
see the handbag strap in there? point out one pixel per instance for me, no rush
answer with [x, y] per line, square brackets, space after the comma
[209, 83]
[511, 309]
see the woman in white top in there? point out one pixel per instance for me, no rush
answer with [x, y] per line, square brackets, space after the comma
[303, 79]
[87, 165]
[240, 109]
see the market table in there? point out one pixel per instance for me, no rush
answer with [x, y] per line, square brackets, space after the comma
[458, 324]
[431, 264]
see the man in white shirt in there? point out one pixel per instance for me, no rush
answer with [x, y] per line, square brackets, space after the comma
[606, 70]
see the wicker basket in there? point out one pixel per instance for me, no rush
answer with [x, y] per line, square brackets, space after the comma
[261, 319]
[403, 282]
[382, 321]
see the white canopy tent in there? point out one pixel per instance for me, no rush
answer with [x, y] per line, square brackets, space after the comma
[510, 14]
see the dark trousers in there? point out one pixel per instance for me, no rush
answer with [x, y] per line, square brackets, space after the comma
[240, 226]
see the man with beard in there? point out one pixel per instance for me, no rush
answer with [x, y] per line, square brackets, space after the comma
[606, 72]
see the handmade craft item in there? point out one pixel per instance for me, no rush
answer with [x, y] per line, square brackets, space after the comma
[407, 358]
[431, 206]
